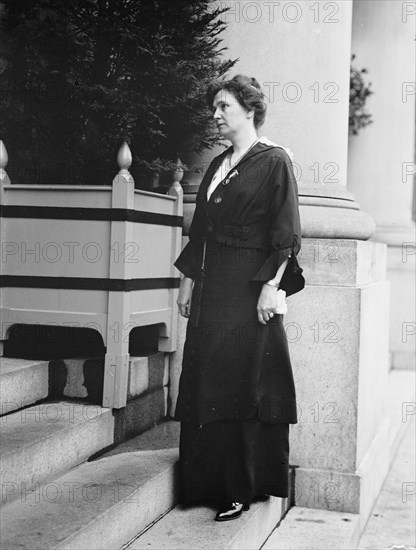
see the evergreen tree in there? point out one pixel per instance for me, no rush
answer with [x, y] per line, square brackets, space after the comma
[80, 77]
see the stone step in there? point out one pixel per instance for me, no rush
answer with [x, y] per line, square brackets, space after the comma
[186, 528]
[100, 504]
[401, 404]
[22, 383]
[315, 529]
[308, 528]
[40, 442]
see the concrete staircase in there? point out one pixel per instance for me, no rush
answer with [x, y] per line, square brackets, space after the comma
[74, 477]
[70, 481]
[194, 528]
[62, 485]
[272, 524]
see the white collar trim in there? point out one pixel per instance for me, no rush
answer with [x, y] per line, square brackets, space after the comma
[269, 142]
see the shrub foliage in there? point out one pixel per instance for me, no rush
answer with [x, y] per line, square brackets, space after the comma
[80, 77]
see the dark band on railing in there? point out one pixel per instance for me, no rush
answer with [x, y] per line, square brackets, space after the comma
[81, 283]
[97, 214]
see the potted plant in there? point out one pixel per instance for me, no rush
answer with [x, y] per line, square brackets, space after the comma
[359, 117]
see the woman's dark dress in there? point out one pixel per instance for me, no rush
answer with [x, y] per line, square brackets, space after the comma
[236, 392]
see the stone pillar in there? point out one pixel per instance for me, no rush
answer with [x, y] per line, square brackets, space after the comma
[300, 53]
[381, 164]
[338, 337]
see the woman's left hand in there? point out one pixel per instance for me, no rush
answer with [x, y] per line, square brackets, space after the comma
[267, 303]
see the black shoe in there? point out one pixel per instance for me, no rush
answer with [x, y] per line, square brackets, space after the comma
[232, 510]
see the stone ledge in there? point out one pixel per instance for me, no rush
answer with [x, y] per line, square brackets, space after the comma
[139, 415]
[314, 529]
[339, 375]
[162, 436]
[356, 492]
[147, 373]
[187, 528]
[22, 383]
[347, 492]
[342, 262]
[42, 441]
[328, 220]
[98, 505]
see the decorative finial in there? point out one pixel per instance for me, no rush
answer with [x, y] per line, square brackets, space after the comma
[124, 160]
[4, 158]
[177, 173]
[124, 157]
[175, 188]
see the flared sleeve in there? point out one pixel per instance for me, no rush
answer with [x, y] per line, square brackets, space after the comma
[190, 259]
[284, 229]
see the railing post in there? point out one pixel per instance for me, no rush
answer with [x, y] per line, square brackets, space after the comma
[175, 190]
[178, 326]
[116, 366]
[4, 180]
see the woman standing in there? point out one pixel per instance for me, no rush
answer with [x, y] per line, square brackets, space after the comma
[236, 392]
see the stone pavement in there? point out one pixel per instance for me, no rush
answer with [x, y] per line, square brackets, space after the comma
[392, 520]
[391, 524]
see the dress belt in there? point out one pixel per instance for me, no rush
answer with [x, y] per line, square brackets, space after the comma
[256, 233]
[239, 234]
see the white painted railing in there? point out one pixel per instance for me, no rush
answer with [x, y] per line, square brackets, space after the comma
[99, 257]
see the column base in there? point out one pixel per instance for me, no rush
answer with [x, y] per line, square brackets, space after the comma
[395, 234]
[335, 222]
[338, 330]
[347, 492]
[401, 260]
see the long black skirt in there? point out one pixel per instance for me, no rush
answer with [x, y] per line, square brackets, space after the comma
[236, 392]
[233, 461]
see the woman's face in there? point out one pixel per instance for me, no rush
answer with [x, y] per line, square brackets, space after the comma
[230, 117]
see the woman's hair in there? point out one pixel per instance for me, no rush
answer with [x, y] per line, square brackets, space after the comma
[247, 92]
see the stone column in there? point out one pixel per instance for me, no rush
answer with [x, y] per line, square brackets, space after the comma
[381, 164]
[300, 53]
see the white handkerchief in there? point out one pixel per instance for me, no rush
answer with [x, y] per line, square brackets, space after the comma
[281, 301]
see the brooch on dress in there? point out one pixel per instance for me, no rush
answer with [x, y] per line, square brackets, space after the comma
[232, 175]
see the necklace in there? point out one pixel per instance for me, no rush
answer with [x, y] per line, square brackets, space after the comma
[229, 164]
[224, 169]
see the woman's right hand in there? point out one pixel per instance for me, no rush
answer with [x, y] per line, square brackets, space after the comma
[184, 298]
